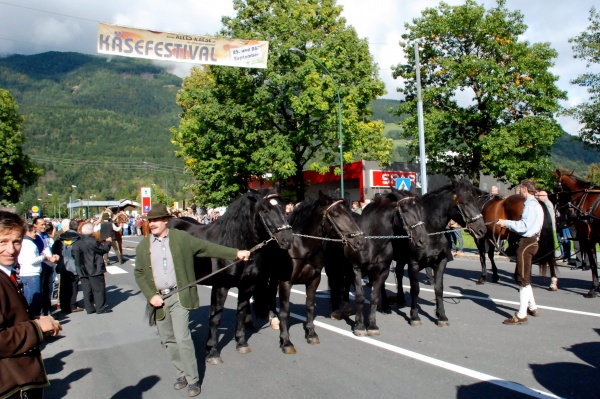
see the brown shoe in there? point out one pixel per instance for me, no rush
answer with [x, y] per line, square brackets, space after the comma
[194, 390]
[180, 383]
[77, 310]
[515, 320]
[533, 312]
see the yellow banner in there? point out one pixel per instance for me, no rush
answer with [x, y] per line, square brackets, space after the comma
[179, 47]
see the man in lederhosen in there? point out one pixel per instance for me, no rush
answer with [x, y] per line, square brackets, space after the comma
[529, 227]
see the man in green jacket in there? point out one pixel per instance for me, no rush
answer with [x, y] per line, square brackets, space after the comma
[165, 261]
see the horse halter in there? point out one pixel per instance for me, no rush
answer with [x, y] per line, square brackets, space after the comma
[285, 226]
[409, 228]
[462, 213]
[344, 237]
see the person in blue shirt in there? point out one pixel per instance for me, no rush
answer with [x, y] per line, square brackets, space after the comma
[528, 228]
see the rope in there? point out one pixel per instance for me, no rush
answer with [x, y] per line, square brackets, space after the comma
[253, 249]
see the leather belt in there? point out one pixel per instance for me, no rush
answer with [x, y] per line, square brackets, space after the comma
[167, 290]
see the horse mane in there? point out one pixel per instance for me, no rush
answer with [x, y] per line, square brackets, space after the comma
[237, 226]
[303, 213]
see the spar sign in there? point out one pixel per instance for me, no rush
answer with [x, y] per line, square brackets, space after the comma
[181, 47]
[393, 178]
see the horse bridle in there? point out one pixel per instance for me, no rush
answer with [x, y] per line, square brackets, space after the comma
[580, 200]
[462, 213]
[328, 217]
[271, 233]
[409, 228]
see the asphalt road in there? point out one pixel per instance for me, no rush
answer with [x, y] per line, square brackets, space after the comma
[117, 355]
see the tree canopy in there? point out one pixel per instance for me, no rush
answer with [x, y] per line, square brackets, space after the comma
[587, 47]
[16, 169]
[489, 98]
[240, 124]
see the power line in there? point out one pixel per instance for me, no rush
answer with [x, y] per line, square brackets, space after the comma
[130, 165]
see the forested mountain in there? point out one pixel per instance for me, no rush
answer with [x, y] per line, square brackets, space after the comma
[99, 123]
[102, 124]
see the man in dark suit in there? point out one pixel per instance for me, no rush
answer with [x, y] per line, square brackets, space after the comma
[22, 371]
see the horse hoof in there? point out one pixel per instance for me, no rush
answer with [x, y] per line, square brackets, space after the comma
[496, 279]
[553, 288]
[590, 294]
[337, 315]
[289, 350]
[443, 323]
[243, 349]
[386, 311]
[214, 361]
[274, 323]
[373, 332]
[416, 323]
[360, 333]
[313, 340]
[481, 281]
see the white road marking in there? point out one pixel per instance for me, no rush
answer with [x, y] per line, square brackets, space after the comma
[513, 386]
[482, 298]
[115, 270]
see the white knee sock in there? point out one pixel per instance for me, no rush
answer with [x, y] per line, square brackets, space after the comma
[523, 302]
[532, 304]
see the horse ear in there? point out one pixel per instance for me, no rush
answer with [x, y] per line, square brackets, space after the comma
[322, 197]
[336, 193]
[277, 188]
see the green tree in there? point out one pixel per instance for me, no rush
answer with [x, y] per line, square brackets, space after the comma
[594, 174]
[16, 169]
[239, 123]
[489, 99]
[587, 47]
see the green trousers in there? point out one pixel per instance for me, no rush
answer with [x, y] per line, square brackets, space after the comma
[176, 336]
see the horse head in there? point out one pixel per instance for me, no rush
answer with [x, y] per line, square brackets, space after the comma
[465, 207]
[337, 221]
[269, 209]
[410, 213]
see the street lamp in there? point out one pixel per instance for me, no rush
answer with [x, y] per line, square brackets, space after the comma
[302, 53]
[70, 203]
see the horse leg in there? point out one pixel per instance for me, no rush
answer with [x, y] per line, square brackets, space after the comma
[284, 314]
[591, 251]
[311, 289]
[495, 276]
[481, 248]
[336, 280]
[242, 321]
[272, 295]
[400, 298]
[346, 308]
[359, 299]
[553, 279]
[413, 275]
[438, 288]
[217, 303]
[378, 288]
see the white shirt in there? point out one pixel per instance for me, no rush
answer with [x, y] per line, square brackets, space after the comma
[30, 259]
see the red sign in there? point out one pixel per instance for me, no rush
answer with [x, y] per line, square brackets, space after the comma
[146, 196]
[387, 178]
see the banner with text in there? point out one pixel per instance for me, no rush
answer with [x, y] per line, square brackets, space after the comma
[180, 47]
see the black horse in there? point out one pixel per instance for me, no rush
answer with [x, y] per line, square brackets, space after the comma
[313, 222]
[455, 201]
[393, 216]
[251, 219]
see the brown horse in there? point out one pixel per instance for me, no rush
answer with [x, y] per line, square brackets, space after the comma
[493, 208]
[580, 200]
